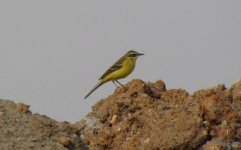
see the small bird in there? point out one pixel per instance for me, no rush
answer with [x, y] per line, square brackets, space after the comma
[122, 68]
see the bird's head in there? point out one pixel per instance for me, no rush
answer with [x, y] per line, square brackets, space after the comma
[132, 53]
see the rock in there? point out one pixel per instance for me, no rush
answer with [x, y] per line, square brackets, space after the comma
[151, 117]
[146, 121]
[147, 141]
[224, 124]
[137, 115]
[65, 141]
[236, 145]
[214, 146]
[22, 130]
[155, 89]
[22, 108]
[236, 90]
[113, 119]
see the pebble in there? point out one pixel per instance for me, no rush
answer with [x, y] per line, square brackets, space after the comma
[236, 145]
[146, 141]
[113, 119]
[64, 141]
[119, 129]
[22, 107]
[224, 124]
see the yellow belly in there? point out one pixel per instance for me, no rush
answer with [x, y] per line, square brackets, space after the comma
[127, 67]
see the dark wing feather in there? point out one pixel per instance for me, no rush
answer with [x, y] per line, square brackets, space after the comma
[114, 67]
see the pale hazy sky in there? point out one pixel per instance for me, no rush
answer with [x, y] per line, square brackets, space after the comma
[52, 52]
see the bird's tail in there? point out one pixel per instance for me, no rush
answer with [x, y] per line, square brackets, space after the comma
[98, 85]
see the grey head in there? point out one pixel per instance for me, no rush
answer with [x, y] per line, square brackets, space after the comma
[132, 53]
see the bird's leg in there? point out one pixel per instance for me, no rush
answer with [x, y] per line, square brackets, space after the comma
[119, 82]
[114, 83]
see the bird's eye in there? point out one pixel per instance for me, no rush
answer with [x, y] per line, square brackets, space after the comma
[133, 55]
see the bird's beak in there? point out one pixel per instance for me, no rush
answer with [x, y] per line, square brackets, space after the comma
[140, 54]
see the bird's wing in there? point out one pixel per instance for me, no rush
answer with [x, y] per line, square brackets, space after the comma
[113, 68]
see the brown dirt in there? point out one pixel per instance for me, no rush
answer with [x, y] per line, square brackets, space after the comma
[22, 130]
[143, 115]
[137, 116]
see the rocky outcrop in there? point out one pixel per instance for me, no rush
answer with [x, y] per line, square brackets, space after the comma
[143, 115]
[138, 115]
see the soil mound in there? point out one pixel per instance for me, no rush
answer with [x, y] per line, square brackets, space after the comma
[137, 116]
[143, 115]
[22, 130]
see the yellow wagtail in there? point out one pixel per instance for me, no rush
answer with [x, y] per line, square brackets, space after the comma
[122, 68]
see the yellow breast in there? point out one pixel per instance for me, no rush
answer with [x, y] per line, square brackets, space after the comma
[127, 67]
